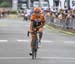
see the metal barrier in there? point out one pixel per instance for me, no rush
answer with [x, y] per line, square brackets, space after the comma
[74, 23]
[62, 23]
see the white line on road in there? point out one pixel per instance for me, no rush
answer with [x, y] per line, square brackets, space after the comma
[48, 41]
[23, 41]
[44, 41]
[69, 42]
[1, 41]
[44, 26]
[57, 58]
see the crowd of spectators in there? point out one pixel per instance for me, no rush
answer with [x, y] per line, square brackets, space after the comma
[66, 18]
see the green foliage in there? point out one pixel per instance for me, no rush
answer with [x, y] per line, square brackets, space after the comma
[5, 4]
[13, 12]
[5, 1]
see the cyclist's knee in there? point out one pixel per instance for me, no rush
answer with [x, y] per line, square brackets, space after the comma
[40, 33]
[41, 30]
[33, 35]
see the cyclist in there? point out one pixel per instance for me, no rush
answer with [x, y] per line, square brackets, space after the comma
[37, 23]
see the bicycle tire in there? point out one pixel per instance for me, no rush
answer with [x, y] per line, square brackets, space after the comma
[34, 50]
[33, 53]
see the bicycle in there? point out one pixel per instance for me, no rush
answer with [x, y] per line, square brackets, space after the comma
[35, 45]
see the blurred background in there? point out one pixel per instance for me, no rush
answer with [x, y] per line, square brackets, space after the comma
[22, 4]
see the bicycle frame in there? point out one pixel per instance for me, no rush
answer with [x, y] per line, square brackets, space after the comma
[35, 45]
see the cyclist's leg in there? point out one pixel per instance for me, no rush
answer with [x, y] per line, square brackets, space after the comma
[32, 39]
[40, 34]
[31, 43]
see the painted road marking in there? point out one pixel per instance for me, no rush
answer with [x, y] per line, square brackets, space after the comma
[48, 41]
[57, 58]
[1, 41]
[44, 41]
[44, 26]
[69, 42]
[23, 41]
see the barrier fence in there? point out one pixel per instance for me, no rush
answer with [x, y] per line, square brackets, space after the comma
[61, 23]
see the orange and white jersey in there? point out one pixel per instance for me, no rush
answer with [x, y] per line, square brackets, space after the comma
[34, 17]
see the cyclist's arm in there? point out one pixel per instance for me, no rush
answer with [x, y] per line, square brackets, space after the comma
[31, 21]
[31, 25]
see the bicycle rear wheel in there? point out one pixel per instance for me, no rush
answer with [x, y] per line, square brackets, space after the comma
[35, 47]
[34, 53]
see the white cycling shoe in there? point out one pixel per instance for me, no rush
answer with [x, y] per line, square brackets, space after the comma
[39, 44]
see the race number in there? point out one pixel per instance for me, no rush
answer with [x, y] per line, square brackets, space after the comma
[72, 4]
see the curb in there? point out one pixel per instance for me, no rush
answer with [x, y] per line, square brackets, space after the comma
[59, 30]
[12, 16]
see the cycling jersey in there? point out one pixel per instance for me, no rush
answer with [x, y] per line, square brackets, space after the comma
[40, 17]
[37, 20]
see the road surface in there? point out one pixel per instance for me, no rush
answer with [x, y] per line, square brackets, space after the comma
[56, 47]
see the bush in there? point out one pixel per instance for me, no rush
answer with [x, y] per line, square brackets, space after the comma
[13, 12]
[5, 4]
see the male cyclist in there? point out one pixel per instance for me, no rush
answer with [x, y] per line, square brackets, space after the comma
[37, 23]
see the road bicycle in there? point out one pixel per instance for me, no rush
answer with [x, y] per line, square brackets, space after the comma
[34, 45]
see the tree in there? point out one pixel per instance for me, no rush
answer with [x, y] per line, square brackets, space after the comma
[5, 4]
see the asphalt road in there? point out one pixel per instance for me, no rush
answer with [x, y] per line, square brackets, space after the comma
[56, 48]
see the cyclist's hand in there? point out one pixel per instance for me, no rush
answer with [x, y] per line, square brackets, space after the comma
[35, 29]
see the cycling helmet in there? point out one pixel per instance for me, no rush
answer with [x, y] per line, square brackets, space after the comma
[37, 9]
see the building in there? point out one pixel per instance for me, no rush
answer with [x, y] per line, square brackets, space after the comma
[70, 4]
[19, 4]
